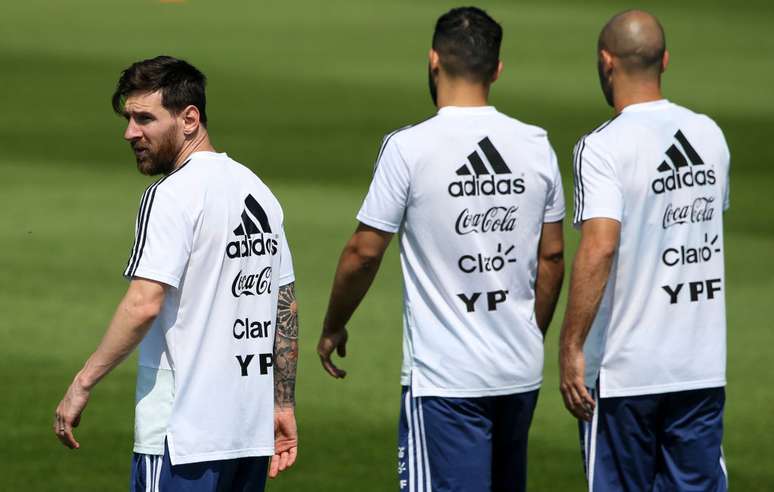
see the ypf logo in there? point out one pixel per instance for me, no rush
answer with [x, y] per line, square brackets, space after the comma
[482, 181]
[680, 171]
[254, 231]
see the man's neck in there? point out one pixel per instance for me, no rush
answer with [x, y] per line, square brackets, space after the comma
[462, 93]
[200, 143]
[629, 92]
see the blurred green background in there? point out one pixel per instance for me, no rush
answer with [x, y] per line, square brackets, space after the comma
[302, 92]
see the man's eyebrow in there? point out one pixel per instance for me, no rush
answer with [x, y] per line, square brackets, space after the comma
[127, 114]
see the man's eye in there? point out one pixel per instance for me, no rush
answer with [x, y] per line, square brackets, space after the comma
[143, 119]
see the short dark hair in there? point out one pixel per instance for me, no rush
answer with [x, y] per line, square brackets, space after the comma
[467, 41]
[180, 83]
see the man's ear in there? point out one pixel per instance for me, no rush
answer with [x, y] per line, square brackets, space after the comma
[191, 120]
[607, 60]
[664, 61]
[498, 71]
[434, 60]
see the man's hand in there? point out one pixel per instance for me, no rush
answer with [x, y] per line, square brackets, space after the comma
[330, 341]
[285, 441]
[576, 397]
[68, 413]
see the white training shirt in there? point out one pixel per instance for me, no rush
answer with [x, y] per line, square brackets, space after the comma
[662, 172]
[213, 232]
[469, 190]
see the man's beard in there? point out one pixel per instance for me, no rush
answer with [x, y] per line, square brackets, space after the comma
[605, 83]
[433, 86]
[163, 160]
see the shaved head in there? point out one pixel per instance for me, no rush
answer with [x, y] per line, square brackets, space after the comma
[636, 38]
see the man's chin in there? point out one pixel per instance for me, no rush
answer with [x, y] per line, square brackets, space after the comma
[146, 167]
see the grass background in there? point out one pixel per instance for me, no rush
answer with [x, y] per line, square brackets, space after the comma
[302, 92]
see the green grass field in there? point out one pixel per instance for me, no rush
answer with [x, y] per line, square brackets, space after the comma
[302, 92]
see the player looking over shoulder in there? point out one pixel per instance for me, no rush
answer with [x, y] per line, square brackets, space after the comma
[211, 302]
[476, 198]
[643, 345]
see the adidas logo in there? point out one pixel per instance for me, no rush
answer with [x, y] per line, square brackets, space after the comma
[682, 168]
[257, 239]
[493, 182]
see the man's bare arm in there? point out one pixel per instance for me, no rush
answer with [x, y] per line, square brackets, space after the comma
[285, 363]
[131, 321]
[357, 268]
[550, 274]
[591, 268]
[286, 347]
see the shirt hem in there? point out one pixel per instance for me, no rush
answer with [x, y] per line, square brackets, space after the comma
[286, 279]
[157, 276]
[597, 213]
[555, 217]
[377, 224]
[661, 388]
[473, 392]
[151, 450]
[178, 459]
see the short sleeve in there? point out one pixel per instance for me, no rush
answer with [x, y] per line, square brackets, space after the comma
[554, 211]
[385, 204]
[286, 274]
[163, 238]
[727, 183]
[598, 191]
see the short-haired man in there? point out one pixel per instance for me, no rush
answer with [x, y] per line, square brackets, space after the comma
[477, 199]
[211, 303]
[647, 289]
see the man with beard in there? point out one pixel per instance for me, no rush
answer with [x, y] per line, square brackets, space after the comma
[477, 199]
[211, 302]
[643, 348]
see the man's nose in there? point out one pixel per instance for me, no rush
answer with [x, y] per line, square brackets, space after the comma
[132, 131]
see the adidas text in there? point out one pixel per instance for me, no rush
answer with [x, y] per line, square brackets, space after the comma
[489, 186]
[686, 179]
[252, 246]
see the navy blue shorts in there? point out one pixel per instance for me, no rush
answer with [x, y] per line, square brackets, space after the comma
[662, 442]
[152, 473]
[464, 444]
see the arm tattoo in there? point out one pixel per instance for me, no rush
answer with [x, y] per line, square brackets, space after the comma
[286, 347]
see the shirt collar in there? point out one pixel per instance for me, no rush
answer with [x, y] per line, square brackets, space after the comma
[646, 106]
[467, 110]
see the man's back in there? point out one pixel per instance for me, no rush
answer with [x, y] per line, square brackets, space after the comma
[662, 171]
[476, 187]
[214, 232]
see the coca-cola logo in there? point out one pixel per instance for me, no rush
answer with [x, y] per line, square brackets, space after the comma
[252, 284]
[495, 219]
[700, 210]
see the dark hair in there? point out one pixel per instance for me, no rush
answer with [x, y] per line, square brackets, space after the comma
[180, 83]
[467, 41]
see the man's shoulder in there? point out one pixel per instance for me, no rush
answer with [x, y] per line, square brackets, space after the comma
[411, 132]
[612, 134]
[519, 127]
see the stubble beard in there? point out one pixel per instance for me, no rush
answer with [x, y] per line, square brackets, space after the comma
[162, 161]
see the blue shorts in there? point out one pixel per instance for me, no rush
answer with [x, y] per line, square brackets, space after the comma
[464, 444]
[153, 473]
[662, 442]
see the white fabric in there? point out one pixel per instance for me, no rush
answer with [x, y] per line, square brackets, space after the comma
[469, 223]
[662, 172]
[214, 233]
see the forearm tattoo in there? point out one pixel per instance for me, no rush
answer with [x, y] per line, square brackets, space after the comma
[286, 347]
